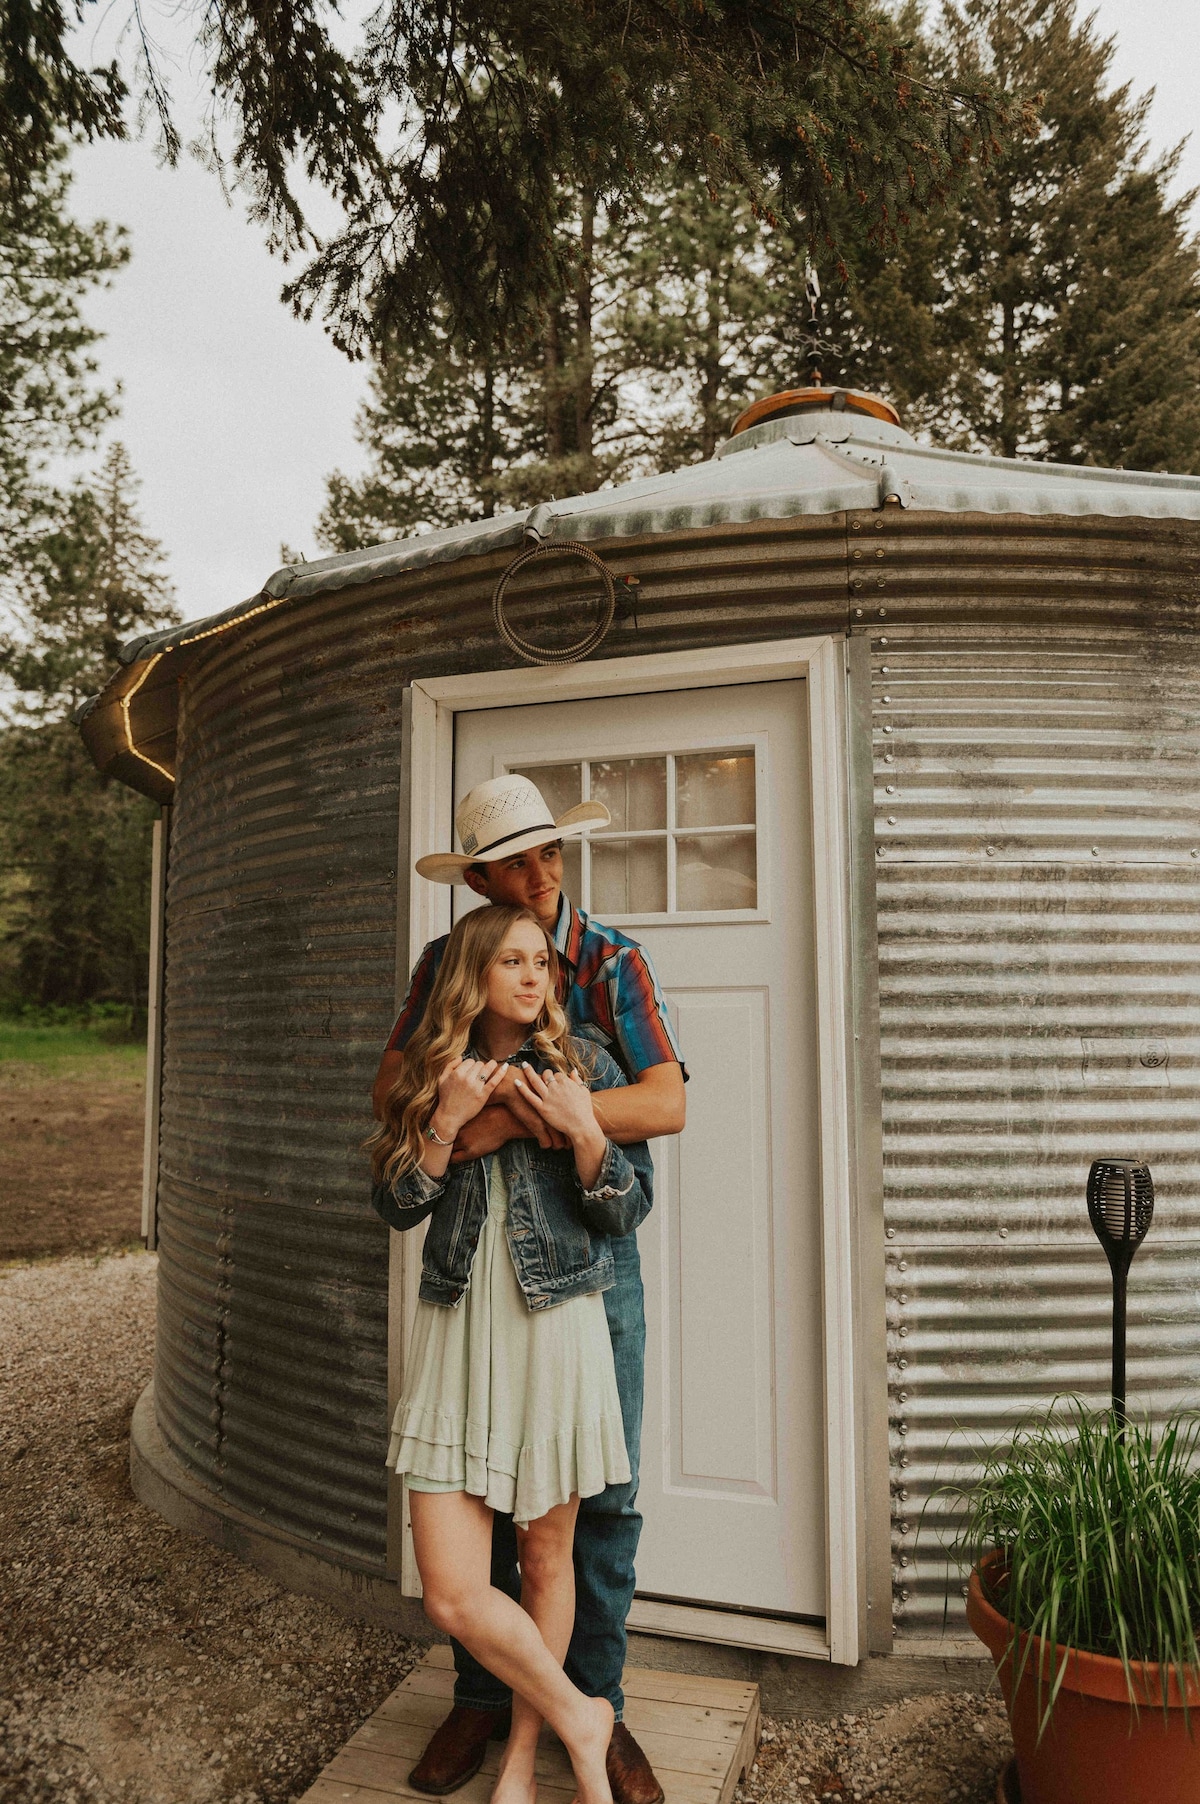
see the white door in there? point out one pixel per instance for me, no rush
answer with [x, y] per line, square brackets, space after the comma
[706, 863]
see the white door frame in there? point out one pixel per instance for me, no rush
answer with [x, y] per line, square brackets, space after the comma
[821, 663]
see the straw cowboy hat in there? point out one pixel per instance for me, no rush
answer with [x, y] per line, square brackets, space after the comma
[504, 816]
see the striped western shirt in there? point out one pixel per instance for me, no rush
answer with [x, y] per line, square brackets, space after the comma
[607, 985]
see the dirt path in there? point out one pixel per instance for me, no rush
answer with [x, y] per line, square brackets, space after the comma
[137, 1665]
[70, 1159]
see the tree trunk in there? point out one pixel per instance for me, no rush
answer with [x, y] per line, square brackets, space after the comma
[585, 358]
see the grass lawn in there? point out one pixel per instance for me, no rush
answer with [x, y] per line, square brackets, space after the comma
[67, 1050]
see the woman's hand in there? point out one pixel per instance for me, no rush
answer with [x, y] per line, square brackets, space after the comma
[464, 1087]
[565, 1103]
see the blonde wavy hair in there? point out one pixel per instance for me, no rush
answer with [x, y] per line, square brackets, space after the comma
[458, 997]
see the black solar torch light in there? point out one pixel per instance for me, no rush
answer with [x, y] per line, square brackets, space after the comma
[1120, 1200]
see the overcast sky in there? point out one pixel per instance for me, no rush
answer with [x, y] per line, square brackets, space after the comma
[234, 412]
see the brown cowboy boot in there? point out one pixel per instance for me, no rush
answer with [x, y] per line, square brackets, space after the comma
[629, 1772]
[455, 1750]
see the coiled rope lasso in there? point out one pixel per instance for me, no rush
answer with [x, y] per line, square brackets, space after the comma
[554, 654]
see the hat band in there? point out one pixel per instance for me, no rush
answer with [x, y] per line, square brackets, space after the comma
[505, 837]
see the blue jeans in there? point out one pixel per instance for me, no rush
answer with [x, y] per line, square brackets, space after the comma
[606, 1533]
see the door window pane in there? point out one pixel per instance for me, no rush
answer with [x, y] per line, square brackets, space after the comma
[572, 875]
[634, 790]
[715, 870]
[629, 876]
[561, 784]
[715, 789]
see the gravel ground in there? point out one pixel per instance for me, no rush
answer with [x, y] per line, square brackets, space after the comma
[137, 1664]
[141, 1666]
[945, 1749]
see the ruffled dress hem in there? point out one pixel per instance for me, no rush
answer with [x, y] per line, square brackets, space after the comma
[518, 1407]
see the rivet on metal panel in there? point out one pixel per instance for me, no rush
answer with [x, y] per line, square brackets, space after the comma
[903, 1297]
[1004, 1233]
[1196, 851]
[885, 670]
[1095, 851]
[891, 1233]
[903, 1332]
[857, 554]
[903, 1266]
[903, 1364]
[904, 1597]
[891, 820]
[903, 1396]
[886, 699]
[883, 641]
[856, 526]
[889, 789]
[903, 1528]
[858, 613]
[879, 851]
[990, 850]
[881, 582]
[879, 526]
[889, 757]
[882, 613]
[856, 585]
[879, 551]
[904, 1559]
[887, 729]
[903, 1496]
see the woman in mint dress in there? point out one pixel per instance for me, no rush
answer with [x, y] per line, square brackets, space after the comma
[510, 1396]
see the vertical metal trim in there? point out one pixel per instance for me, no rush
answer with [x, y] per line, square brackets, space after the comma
[398, 1535]
[867, 1132]
[843, 1527]
[154, 1028]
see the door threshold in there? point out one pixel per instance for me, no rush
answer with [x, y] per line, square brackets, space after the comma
[728, 1628]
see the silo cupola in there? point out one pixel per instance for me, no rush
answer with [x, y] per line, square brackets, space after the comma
[816, 399]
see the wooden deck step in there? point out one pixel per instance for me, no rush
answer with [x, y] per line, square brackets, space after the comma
[700, 1736]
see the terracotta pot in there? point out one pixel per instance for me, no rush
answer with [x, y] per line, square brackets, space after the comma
[1008, 1786]
[1095, 1749]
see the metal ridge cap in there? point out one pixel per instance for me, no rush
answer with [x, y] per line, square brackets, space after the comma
[985, 461]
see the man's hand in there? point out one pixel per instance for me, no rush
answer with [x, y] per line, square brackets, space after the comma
[508, 1091]
[491, 1129]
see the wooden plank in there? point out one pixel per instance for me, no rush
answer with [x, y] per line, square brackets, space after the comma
[643, 1682]
[360, 1766]
[687, 1688]
[416, 1700]
[394, 1733]
[699, 1734]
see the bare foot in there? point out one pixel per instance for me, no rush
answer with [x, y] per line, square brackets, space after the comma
[589, 1751]
[514, 1788]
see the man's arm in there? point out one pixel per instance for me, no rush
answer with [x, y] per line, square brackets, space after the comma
[385, 1077]
[654, 1103]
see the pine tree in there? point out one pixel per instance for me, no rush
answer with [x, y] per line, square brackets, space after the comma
[51, 405]
[74, 847]
[91, 581]
[1059, 299]
[446, 134]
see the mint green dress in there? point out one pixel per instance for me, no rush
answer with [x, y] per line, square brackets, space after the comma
[518, 1406]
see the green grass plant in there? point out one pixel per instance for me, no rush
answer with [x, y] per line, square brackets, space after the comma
[57, 1042]
[1099, 1538]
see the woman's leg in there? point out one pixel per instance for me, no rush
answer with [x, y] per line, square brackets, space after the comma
[548, 1596]
[452, 1537]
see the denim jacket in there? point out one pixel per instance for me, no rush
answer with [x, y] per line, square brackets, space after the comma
[559, 1233]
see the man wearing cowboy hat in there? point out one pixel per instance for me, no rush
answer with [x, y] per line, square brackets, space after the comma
[512, 853]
